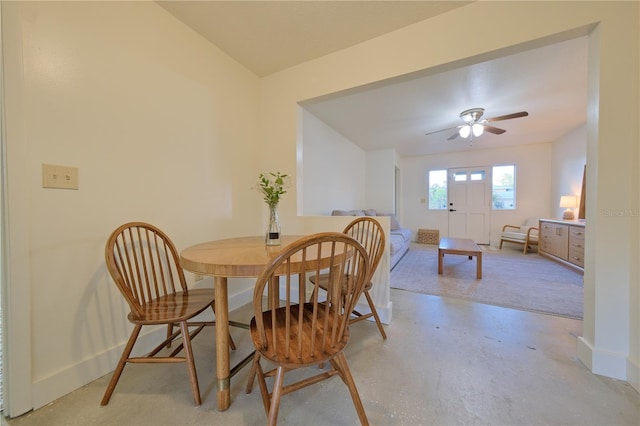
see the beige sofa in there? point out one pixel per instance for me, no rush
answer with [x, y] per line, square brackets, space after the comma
[399, 237]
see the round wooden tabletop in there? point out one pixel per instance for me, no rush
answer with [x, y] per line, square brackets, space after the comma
[233, 257]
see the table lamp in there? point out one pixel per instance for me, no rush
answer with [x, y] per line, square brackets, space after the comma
[568, 202]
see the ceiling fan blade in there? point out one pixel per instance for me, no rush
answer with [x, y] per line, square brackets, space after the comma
[441, 130]
[509, 116]
[494, 130]
[453, 136]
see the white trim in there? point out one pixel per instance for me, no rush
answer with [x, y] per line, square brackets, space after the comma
[633, 374]
[602, 362]
[79, 374]
[17, 377]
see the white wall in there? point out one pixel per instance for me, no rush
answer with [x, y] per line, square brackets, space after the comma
[380, 180]
[568, 159]
[158, 121]
[533, 177]
[336, 174]
[333, 170]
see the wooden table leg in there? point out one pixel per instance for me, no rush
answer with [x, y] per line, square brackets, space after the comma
[273, 292]
[222, 343]
[479, 265]
[440, 256]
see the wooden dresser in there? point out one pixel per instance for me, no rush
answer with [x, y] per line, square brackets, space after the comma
[563, 241]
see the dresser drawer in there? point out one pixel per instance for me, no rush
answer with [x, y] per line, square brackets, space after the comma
[576, 232]
[576, 246]
[576, 243]
[576, 256]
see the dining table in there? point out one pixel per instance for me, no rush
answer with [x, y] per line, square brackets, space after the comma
[240, 257]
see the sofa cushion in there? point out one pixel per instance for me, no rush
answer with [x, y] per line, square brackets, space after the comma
[396, 243]
[347, 213]
[404, 233]
[395, 225]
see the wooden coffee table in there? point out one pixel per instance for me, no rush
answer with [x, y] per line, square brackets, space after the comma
[461, 246]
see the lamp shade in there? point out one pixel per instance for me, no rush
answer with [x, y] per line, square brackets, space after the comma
[568, 202]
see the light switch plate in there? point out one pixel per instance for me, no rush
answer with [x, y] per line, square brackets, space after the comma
[59, 177]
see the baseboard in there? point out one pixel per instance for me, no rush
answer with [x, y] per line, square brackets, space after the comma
[633, 374]
[604, 363]
[54, 386]
[585, 351]
[75, 376]
[240, 299]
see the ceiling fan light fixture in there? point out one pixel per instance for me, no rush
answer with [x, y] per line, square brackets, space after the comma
[478, 129]
[471, 115]
[474, 126]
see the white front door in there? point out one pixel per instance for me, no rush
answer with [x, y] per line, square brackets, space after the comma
[470, 203]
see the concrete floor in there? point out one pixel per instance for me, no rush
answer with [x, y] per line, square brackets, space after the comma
[446, 362]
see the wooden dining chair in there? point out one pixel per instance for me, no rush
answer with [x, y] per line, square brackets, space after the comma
[368, 232]
[144, 264]
[293, 333]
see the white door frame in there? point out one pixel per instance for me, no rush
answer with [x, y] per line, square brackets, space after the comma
[14, 201]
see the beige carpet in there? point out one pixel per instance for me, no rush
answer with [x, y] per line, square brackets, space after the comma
[509, 278]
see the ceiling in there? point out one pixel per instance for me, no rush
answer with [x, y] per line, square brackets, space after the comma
[549, 82]
[269, 36]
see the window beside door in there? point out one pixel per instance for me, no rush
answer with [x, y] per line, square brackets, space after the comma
[503, 196]
[437, 189]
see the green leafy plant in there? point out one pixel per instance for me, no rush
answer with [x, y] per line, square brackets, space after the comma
[272, 186]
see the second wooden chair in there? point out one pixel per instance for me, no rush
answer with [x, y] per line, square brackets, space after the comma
[368, 232]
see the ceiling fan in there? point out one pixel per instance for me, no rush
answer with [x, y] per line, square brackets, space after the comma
[474, 126]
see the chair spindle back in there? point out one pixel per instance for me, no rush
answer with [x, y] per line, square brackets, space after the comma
[144, 264]
[369, 233]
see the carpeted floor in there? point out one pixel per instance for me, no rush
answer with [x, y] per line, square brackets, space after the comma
[509, 278]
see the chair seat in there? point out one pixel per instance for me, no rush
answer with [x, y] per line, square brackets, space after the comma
[322, 351]
[525, 234]
[518, 236]
[176, 307]
[324, 283]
